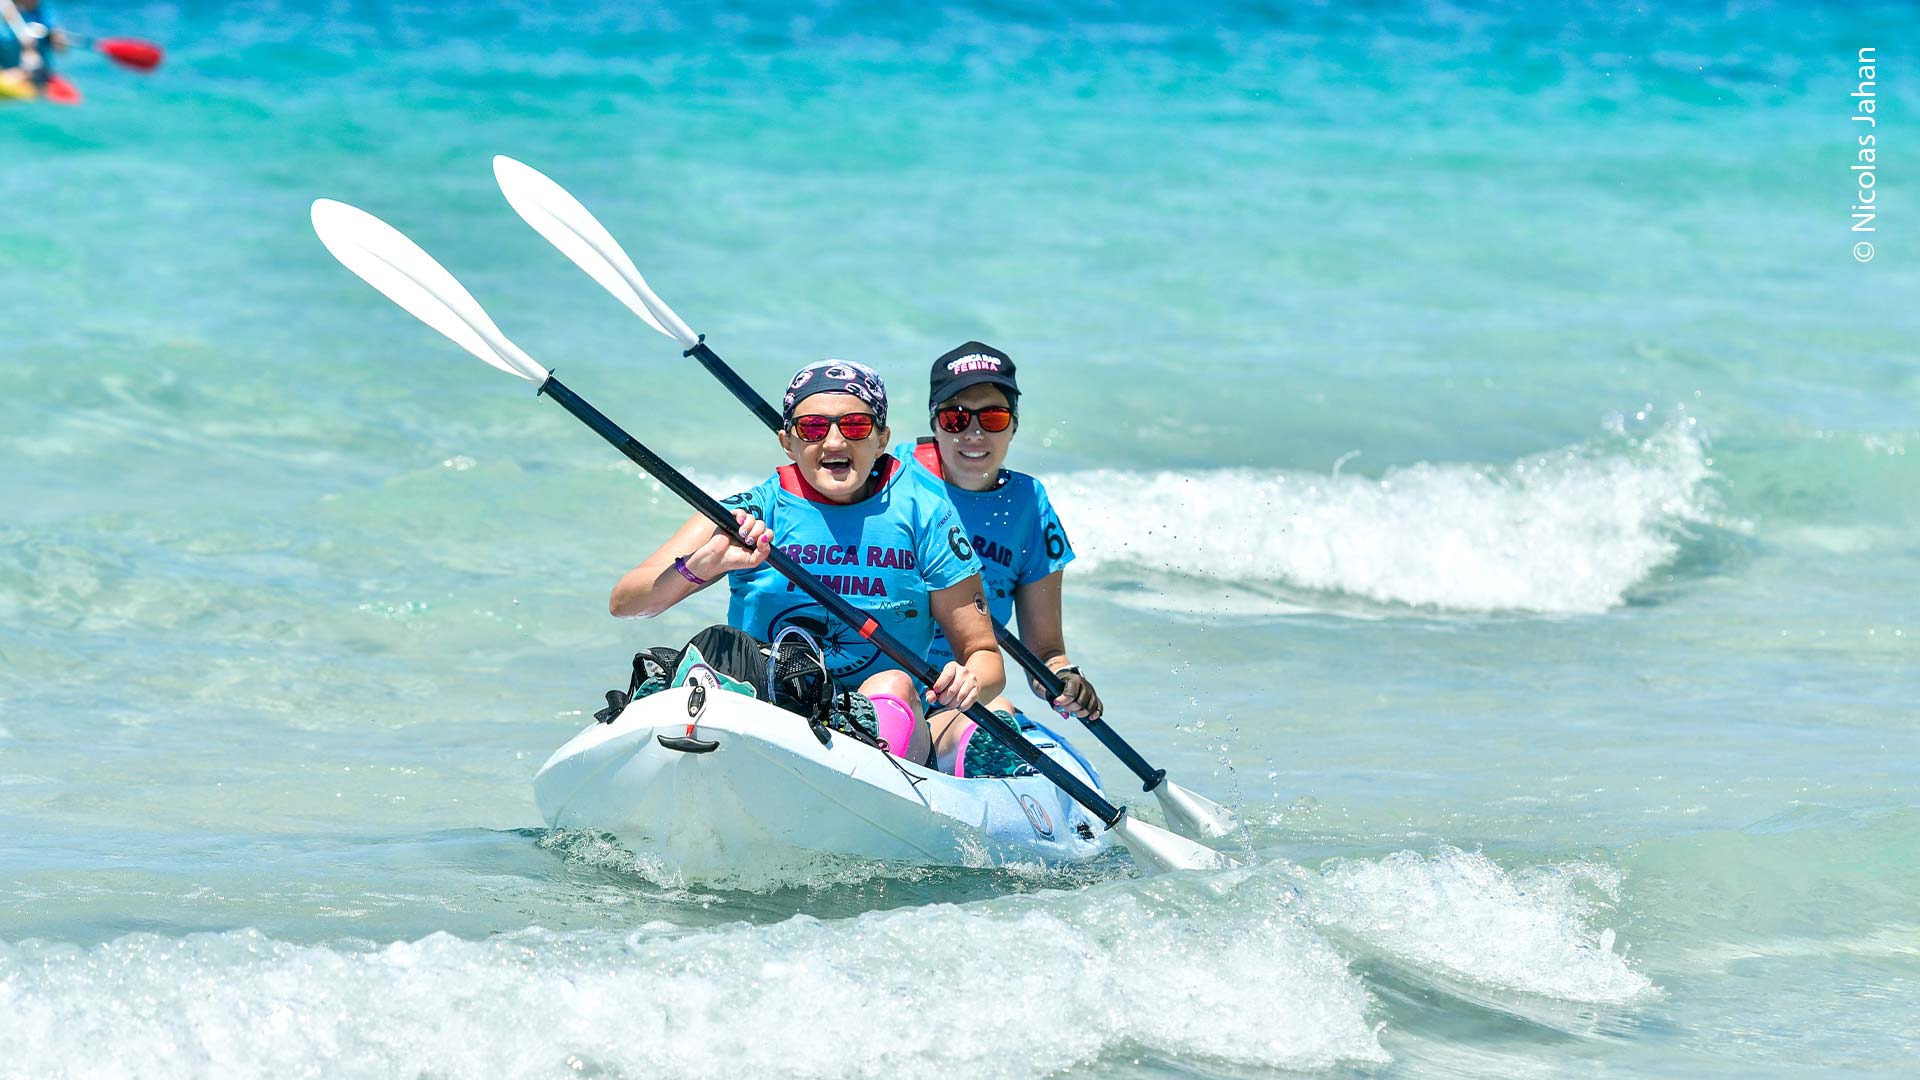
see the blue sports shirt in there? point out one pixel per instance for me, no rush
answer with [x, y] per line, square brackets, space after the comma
[1012, 528]
[886, 554]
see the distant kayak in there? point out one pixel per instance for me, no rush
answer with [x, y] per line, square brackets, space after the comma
[58, 91]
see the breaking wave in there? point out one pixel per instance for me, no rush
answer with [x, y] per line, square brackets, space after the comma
[1571, 531]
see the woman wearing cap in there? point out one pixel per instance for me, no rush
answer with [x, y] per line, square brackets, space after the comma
[1011, 525]
[877, 532]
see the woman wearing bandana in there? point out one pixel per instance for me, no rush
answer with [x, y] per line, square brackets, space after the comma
[882, 535]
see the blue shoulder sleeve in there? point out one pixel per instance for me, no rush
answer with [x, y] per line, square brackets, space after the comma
[756, 500]
[1048, 549]
[945, 554]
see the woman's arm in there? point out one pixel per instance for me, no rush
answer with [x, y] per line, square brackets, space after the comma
[961, 611]
[656, 584]
[1037, 605]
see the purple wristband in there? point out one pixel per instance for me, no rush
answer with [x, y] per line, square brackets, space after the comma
[680, 564]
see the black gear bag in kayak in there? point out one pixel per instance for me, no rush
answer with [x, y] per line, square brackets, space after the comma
[789, 674]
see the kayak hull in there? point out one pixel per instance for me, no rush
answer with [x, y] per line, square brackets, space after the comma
[770, 795]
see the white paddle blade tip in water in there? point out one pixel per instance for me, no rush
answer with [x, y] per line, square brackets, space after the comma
[568, 225]
[1194, 815]
[1156, 849]
[384, 258]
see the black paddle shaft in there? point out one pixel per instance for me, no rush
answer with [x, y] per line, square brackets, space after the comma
[915, 666]
[1034, 666]
[735, 384]
[1150, 777]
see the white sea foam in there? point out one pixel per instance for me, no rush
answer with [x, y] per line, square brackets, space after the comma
[1018, 986]
[1245, 970]
[1565, 532]
[1459, 915]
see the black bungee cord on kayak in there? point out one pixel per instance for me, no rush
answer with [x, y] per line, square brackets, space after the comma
[794, 678]
[797, 671]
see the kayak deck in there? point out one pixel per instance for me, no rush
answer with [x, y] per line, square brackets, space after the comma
[771, 794]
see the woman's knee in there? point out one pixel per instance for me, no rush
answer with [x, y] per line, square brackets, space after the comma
[897, 716]
[893, 683]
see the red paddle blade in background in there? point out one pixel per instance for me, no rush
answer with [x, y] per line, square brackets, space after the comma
[134, 53]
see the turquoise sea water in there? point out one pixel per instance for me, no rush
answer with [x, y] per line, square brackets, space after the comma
[1491, 468]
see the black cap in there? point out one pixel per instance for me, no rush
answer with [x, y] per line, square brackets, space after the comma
[970, 365]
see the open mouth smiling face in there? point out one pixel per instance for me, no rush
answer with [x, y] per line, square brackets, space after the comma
[835, 465]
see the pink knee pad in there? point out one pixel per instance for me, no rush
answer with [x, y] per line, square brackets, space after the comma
[960, 749]
[894, 719]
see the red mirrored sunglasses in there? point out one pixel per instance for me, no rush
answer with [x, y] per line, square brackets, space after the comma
[953, 419]
[813, 427]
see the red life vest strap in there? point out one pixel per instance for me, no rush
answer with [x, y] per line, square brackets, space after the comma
[794, 484]
[927, 453]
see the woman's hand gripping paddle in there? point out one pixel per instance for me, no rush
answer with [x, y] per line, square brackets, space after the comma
[410, 277]
[571, 227]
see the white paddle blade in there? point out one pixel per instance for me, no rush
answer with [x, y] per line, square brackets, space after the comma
[385, 259]
[1194, 815]
[555, 214]
[1157, 850]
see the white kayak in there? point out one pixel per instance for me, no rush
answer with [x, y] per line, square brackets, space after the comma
[770, 793]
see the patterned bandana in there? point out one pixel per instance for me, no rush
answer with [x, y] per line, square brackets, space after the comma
[836, 377]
